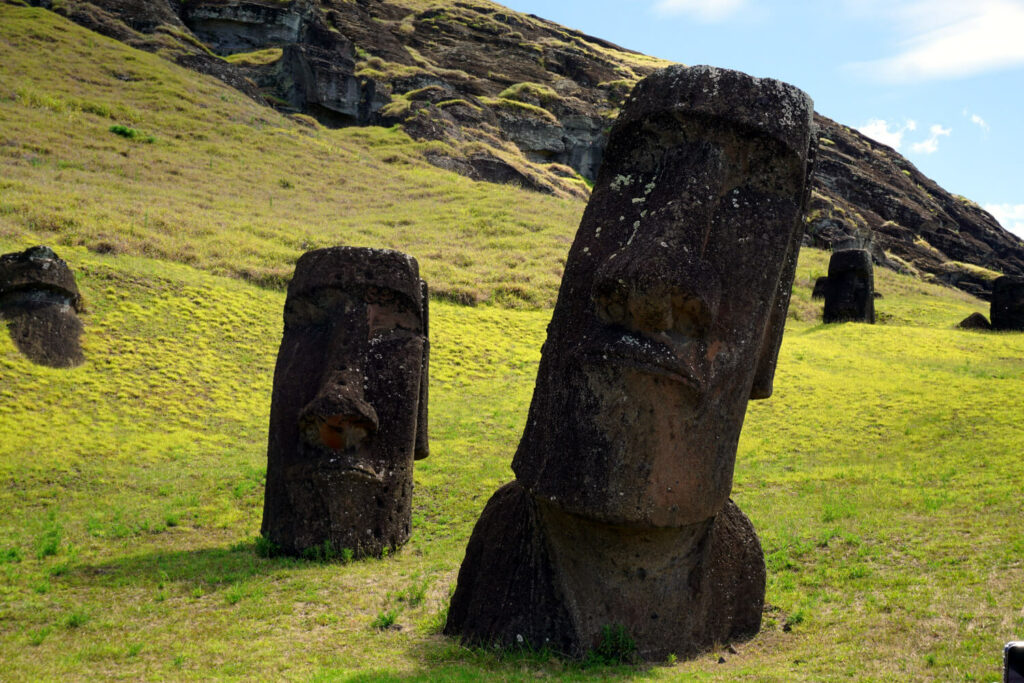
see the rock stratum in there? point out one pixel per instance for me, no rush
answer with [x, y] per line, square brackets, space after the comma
[512, 98]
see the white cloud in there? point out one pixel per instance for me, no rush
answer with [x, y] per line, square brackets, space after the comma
[1010, 216]
[978, 121]
[931, 145]
[708, 11]
[948, 39]
[886, 133]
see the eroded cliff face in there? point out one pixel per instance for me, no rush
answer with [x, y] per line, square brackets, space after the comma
[512, 98]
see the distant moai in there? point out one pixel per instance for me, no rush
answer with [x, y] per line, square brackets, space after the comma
[668, 320]
[850, 289]
[40, 302]
[1007, 308]
[348, 413]
[820, 288]
[975, 321]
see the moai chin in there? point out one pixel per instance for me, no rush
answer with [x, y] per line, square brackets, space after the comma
[40, 302]
[850, 288]
[348, 413]
[1007, 308]
[669, 319]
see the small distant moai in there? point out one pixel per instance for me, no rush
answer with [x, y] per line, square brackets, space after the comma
[820, 288]
[975, 321]
[668, 320]
[1007, 310]
[40, 302]
[348, 413]
[850, 289]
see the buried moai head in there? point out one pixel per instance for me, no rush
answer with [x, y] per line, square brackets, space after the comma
[1007, 309]
[673, 302]
[40, 303]
[349, 409]
[850, 289]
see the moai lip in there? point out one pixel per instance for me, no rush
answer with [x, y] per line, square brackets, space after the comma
[668, 320]
[40, 302]
[850, 289]
[349, 407]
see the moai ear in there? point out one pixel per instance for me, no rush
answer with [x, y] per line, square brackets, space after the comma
[768, 358]
[422, 435]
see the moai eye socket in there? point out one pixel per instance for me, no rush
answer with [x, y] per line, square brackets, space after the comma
[317, 307]
[388, 314]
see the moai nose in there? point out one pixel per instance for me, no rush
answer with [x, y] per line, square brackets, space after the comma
[655, 291]
[338, 418]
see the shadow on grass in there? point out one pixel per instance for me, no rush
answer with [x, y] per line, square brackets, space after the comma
[211, 566]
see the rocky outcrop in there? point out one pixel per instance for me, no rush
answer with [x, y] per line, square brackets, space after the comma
[233, 27]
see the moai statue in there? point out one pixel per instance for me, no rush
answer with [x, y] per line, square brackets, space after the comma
[348, 413]
[850, 292]
[669, 318]
[1007, 309]
[40, 302]
[820, 287]
[975, 321]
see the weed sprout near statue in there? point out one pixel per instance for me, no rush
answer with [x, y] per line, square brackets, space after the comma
[669, 319]
[348, 413]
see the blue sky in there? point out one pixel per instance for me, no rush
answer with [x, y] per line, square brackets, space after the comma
[942, 81]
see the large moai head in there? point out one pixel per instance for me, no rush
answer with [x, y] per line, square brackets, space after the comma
[1007, 309]
[673, 302]
[40, 302]
[348, 413]
[850, 288]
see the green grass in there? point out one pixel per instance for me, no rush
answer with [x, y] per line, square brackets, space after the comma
[883, 479]
[883, 476]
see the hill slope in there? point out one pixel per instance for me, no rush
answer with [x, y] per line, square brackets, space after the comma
[234, 187]
[880, 478]
[513, 98]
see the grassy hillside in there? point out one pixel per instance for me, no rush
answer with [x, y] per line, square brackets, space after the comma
[883, 477]
[219, 182]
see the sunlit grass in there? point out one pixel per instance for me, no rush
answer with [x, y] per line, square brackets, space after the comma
[882, 478]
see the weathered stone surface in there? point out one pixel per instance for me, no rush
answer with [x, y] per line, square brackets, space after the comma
[1008, 303]
[349, 408]
[229, 27]
[322, 83]
[850, 292]
[975, 321]
[40, 302]
[668, 321]
[820, 286]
